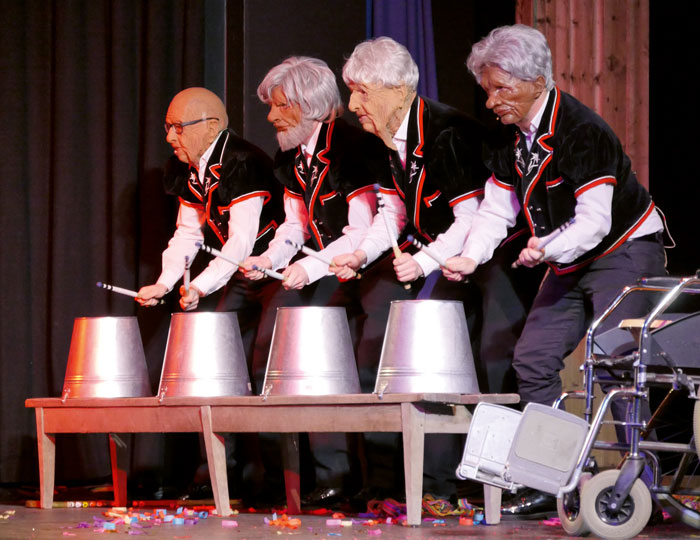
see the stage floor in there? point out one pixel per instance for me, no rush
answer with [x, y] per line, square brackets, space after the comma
[38, 524]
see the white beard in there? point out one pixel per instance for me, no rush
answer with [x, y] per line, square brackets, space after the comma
[293, 137]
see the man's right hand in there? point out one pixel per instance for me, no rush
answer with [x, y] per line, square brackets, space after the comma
[250, 272]
[458, 268]
[344, 266]
[150, 294]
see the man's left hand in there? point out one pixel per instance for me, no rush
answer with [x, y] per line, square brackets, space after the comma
[406, 268]
[189, 299]
[295, 277]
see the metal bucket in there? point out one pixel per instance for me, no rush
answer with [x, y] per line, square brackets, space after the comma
[106, 359]
[426, 349]
[311, 353]
[204, 357]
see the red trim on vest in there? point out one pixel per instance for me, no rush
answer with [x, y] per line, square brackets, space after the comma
[466, 197]
[292, 194]
[597, 182]
[500, 184]
[430, 199]
[620, 241]
[191, 204]
[312, 202]
[324, 198]
[359, 191]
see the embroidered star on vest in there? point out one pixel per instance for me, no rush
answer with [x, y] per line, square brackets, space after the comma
[519, 158]
[534, 162]
[414, 171]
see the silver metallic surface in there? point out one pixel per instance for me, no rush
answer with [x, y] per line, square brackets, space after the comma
[311, 353]
[426, 349]
[106, 359]
[204, 357]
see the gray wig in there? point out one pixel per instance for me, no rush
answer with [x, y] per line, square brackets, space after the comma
[518, 50]
[381, 61]
[308, 82]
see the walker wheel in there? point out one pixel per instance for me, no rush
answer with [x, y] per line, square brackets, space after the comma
[627, 521]
[569, 510]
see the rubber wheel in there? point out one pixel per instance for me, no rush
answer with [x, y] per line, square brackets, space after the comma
[569, 510]
[628, 521]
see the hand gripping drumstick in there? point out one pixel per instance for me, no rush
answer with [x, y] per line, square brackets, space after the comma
[394, 243]
[269, 273]
[551, 237]
[425, 249]
[315, 254]
[120, 290]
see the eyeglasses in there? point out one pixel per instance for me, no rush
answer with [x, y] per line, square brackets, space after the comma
[180, 125]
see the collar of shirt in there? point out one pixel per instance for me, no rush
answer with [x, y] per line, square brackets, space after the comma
[400, 138]
[534, 125]
[309, 147]
[205, 159]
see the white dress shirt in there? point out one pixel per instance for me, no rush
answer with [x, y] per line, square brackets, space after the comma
[243, 224]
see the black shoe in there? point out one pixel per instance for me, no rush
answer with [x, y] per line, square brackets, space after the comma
[323, 497]
[530, 504]
[358, 502]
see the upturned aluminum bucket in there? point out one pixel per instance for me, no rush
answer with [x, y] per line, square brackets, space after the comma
[106, 359]
[426, 349]
[204, 357]
[311, 353]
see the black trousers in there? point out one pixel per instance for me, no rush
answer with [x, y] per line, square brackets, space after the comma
[567, 304]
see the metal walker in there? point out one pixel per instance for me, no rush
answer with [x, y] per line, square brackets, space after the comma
[549, 449]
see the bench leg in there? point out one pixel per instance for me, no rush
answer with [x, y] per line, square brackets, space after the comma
[290, 461]
[413, 426]
[492, 504]
[47, 460]
[216, 459]
[118, 454]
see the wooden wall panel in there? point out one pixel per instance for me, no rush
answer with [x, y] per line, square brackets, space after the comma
[600, 50]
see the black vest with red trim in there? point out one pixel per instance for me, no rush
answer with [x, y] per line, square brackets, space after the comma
[236, 170]
[573, 151]
[443, 166]
[346, 162]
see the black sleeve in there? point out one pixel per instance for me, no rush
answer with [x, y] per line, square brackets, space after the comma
[245, 173]
[456, 162]
[364, 163]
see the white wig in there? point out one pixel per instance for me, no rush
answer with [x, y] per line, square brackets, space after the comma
[308, 82]
[518, 50]
[381, 61]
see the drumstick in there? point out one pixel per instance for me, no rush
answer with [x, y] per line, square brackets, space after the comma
[394, 243]
[316, 255]
[186, 277]
[551, 237]
[269, 273]
[120, 290]
[216, 253]
[425, 249]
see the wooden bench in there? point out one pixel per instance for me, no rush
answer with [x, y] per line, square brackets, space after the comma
[413, 415]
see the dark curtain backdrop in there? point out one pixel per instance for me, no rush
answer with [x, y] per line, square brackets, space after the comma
[410, 22]
[83, 93]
